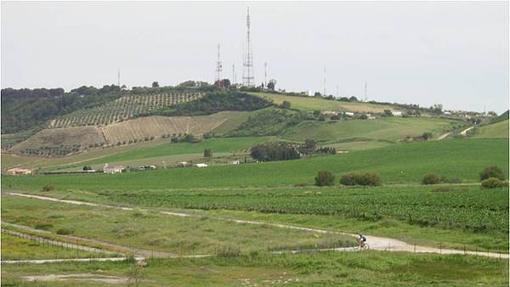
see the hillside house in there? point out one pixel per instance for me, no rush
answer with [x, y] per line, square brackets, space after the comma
[349, 114]
[201, 165]
[396, 113]
[235, 162]
[19, 171]
[112, 169]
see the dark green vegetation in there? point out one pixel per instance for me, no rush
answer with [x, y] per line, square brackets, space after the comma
[274, 151]
[364, 179]
[493, 182]
[492, 171]
[214, 102]
[319, 269]
[324, 178]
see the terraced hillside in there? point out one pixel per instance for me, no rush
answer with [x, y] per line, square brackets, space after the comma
[123, 108]
[64, 141]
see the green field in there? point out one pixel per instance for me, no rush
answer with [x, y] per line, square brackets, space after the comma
[15, 248]
[386, 129]
[364, 269]
[320, 104]
[158, 232]
[403, 163]
[495, 130]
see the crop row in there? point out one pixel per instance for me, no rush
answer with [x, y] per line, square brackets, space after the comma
[472, 210]
[124, 108]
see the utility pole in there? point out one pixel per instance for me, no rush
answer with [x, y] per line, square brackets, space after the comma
[234, 80]
[337, 91]
[118, 77]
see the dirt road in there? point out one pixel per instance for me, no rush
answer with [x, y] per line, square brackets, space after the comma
[375, 242]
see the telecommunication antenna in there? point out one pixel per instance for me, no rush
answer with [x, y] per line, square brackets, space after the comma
[324, 81]
[265, 74]
[248, 77]
[219, 67]
[118, 77]
[366, 91]
[234, 80]
[338, 91]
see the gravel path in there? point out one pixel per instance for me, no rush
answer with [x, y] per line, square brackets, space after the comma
[375, 242]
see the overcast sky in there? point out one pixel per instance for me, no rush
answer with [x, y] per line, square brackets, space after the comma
[455, 54]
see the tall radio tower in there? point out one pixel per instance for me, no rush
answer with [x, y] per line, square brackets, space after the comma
[248, 77]
[118, 77]
[219, 67]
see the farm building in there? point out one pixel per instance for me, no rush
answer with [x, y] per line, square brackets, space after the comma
[19, 171]
[349, 114]
[396, 113]
[111, 169]
[182, 164]
[235, 162]
[201, 165]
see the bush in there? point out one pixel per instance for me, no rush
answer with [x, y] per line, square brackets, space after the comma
[208, 152]
[64, 231]
[493, 182]
[431, 178]
[348, 179]
[48, 187]
[274, 151]
[365, 179]
[228, 251]
[285, 105]
[324, 178]
[492, 171]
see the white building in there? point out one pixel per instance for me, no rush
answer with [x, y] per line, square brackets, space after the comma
[201, 165]
[19, 171]
[111, 169]
[396, 113]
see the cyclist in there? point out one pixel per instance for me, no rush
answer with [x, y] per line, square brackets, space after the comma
[361, 240]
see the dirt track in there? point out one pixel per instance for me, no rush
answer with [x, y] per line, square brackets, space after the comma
[375, 242]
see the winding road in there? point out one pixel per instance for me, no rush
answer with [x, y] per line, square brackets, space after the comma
[375, 242]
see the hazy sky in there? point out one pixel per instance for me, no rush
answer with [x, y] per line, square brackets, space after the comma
[427, 53]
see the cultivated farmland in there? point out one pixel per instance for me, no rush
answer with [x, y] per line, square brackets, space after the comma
[126, 107]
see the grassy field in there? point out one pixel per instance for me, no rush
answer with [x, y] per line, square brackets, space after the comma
[495, 130]
[15, 248]
[158, 232]
[319, 104]
[388, 129]
[364, 269]
[454, 216]
[402, 163]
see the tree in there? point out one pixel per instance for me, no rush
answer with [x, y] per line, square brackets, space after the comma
[427, 135]
[208, 152]
[308, 147]
[271, 85]
[388, 113]
[155, 84]
[324, 178]
[285, 105]
[353, 99]
[492, 171]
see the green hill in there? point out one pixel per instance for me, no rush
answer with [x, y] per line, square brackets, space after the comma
[402, 163]
[498, 129]
[390, 129]
[322, 104]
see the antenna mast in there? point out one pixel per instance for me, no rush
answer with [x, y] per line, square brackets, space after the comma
[234, 74]
[366, 91]
[218, 68]
[265, 74]
[324, 81]
[118, 77]
[248, 77]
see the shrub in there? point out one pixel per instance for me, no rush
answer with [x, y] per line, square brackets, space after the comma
[228, 251]
[348, 179]
[64, 231]
[43, 226]
[208, 152]
[493, 182]
[492, 171]
[324, 178]
[48, 187]
[366, 179]
[285, 105]
[427, 135]
[431, 178]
